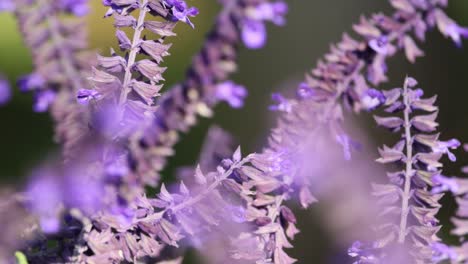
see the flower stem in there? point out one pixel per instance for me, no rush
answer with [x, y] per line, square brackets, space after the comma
[409, 170]
[133, 53]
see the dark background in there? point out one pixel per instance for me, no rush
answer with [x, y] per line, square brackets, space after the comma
[26, 137]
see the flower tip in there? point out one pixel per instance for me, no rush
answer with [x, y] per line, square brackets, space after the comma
[411, 82]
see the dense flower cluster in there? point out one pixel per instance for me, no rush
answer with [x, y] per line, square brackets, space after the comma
[410, 202]
[118, 131]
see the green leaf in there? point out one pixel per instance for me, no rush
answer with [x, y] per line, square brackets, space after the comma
[21, 258]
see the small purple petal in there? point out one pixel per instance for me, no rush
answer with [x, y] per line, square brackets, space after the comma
[445, 146]
[31, 82]
[7, 6]
[273, 12]
[76, 7]
[304, 91]
[180, 11]
[43, 99]
[379, 45]
[232, 93]
[283, 104]
[372, 99]
[254, 34]
[84, 96]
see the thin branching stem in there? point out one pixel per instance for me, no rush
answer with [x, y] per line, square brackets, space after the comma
[406, 195]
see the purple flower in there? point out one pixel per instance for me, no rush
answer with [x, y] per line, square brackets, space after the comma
[232, 93]
[372, 99]
[455, 32]
[45, 194]
[445, 146]
[31, 82]
[180, 11]
[443, 184]
[76, 7]
[450, 28]
[5, 91]
[304, 91]
[254, 34]
[7, 6]
[253, 29]
[116, 164]
[380, 45]
[43, 99]
[84, 96]
[283, 104]
[273, 12]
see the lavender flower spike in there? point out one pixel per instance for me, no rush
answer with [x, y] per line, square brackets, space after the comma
[131, 95]
[206, 84]
[412, 238]
[57, 75]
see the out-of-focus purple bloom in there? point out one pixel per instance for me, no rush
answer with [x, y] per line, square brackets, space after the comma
[443, 184]
[7, 6]
[450, 28]
[253, 29]
[45, 194]
[116, 164]
[445, 146]
[84, 96]
[181, 11]
[254, 34]
[232, 93]
[415, 94]
[76, 7]
[372, 99]
[283, 104]
[82, 190]
[443, 252]
[5, 91]
[31, 82]
[273, 12]
[456, 32]
[344, 141]
[43, 99]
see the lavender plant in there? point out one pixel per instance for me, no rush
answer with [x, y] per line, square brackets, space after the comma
[58, 43]
[95, 207]
[207, 81]
[409, 203]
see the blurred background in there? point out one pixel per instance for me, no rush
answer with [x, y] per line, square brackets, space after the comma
[26, 137]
